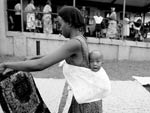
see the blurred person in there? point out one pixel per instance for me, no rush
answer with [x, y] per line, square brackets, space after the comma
[98, 20]
[17, 18]
[10, 21]
[38, 20]
[126, 27]
[137, 26]
[47, 18]
[112, 27]
[30, 16]
[132, 31]
[84, 14]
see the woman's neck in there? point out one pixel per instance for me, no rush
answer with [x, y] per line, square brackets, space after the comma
[75, 33]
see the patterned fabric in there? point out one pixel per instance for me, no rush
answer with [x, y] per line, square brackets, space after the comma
[19, 94]
[93, 107]
[30, 16]
[47, 23]
[30, 21]
[47, 18]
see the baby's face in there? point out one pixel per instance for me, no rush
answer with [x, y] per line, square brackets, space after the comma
[95, 62]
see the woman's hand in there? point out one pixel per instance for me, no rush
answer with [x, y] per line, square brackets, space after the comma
[2, 67]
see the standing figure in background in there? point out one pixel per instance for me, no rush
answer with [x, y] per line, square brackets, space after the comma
[98, 20]
[10, 21]
[84, 14]
[85, 17]
[47, 18]
[137, 26]
[112, 27]
[30, 14]
[38, 20]
[17, 17]
[126, 27]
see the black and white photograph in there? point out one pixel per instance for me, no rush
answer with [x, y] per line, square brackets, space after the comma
[74, 56]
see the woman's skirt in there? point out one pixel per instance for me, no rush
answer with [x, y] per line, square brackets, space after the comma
[93, 107]
[98, 27]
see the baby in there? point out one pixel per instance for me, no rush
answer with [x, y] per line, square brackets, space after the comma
[82, 81]
[96, 60]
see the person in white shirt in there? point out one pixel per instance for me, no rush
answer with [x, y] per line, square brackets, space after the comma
[126, 27]
[98, 20]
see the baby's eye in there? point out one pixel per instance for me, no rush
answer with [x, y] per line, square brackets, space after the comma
[99, 61]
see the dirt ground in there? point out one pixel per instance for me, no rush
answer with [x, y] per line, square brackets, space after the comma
[116, 70]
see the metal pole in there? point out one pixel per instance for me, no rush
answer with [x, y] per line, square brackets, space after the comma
[124, 10]
[74, 3]
[22, 26]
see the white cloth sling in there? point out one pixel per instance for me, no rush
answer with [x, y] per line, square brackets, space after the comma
[87, 86]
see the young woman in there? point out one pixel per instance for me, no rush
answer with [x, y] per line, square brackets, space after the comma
[75, 52]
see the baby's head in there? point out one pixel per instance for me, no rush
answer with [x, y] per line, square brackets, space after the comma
[96, 59]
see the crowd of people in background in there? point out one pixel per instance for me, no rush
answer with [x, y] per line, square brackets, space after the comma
[35, 18]
[112, 28]
[42, 20]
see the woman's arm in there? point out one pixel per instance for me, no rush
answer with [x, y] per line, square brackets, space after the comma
[34, 57]
[69, 48]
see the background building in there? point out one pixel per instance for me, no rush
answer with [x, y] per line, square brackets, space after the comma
[23, 43]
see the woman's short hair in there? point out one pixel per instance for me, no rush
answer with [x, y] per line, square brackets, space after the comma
[72, 16]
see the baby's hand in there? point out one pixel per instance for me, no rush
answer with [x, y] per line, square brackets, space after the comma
[2, 67]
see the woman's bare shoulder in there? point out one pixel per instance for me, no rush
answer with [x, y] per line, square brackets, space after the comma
[72, 44]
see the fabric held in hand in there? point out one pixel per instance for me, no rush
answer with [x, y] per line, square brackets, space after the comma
[19, 94]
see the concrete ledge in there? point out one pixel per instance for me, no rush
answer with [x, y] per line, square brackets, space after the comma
[25, 44]
[118, 42]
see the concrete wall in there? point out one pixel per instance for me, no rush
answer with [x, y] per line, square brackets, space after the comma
[24, 44]
[2, 28]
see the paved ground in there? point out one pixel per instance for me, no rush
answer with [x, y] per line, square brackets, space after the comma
[127, 97]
